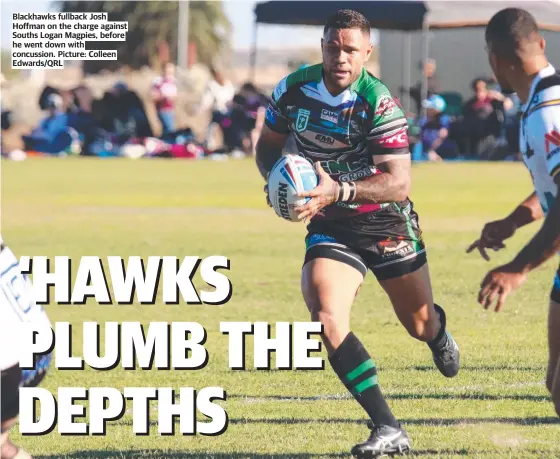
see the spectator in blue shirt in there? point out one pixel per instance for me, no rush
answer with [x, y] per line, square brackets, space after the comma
[53, 134]
[435, 127]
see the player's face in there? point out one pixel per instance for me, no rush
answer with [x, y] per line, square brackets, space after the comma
[344, 54]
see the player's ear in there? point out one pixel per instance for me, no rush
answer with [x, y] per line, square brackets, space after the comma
[369, 50]
[542, 44]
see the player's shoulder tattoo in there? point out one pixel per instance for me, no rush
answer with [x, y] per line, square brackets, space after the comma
[303, 75]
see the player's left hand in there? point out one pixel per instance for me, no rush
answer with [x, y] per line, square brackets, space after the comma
[324, 194]
[499, 282]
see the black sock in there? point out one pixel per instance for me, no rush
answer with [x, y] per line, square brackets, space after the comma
[441, 338]
[357, 371]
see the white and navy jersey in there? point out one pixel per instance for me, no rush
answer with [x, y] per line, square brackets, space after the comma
[16, 306]
[540, 134]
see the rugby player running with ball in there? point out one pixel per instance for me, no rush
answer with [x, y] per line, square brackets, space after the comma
[516, 51]
[346, 122]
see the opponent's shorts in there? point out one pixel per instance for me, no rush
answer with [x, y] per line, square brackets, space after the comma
[388, 241]
[555, 293]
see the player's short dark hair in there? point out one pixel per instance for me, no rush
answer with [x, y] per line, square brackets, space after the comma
[509, 29]
[347, 19]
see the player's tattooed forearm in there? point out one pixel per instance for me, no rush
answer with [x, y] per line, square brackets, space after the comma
[393, 185]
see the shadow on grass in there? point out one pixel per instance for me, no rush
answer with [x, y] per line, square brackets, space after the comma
[398, 396]
[528, 421]
[153, 454]
[159, 454]
[498, 367]
[522, 421]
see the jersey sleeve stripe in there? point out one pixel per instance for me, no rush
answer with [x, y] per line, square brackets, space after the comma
[548, 103]
[388, 126]
[554, 172]
[387, 133]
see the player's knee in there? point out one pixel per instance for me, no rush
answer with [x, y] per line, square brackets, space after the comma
[422, 330]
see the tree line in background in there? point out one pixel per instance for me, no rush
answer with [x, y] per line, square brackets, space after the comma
[152, 23]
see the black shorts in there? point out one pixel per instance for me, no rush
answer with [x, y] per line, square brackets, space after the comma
[388, 241]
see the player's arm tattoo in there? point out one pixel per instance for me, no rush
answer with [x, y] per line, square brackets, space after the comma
[527, 212]
[269, 149]
[390, 186]
[546, 242]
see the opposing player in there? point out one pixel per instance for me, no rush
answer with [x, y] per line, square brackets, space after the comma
[516, 51]
[16, 306]
[347, 123]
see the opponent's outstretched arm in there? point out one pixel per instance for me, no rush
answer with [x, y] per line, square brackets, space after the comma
[527, 212]
[546, 242]
[496, 232]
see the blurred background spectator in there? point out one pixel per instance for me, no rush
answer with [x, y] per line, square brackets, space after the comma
[53, 135]
[217, 97]
[164, 93]
[432, 83]
[435, 126]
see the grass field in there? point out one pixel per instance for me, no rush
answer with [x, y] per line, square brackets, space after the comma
[497, 407]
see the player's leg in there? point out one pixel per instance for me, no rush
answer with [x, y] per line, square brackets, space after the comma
[553, 372]
[331, 277]
[412, 300]
[399, 262]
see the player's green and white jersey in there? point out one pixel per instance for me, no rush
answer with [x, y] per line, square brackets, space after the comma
[344, 132]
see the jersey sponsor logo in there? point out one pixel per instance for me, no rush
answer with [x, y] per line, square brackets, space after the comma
[329, 115]
[337, 167]
[551, 138]
[302, 120]
[324, 139]
[282, 200]
[400, 139]
[317, 238]
[386, 106]
[395, 248]
[357, 175]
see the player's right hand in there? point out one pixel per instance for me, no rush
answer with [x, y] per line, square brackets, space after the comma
[493, 236]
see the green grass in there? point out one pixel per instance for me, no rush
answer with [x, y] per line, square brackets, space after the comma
[497, 407]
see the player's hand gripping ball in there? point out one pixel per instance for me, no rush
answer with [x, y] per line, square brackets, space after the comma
[291, 175]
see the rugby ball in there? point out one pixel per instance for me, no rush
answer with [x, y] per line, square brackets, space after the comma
[291, 175]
